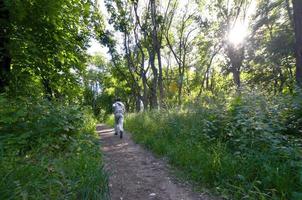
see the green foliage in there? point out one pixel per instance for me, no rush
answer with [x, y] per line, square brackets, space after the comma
[110, 120]
[47, 45]
[25, 122]
[49, 151]
[197, 54]
[294, 118]
[271, 48]
[102, 85]
[236, 146]
[244, 146]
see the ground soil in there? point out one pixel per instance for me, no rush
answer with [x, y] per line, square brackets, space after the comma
[136, 174]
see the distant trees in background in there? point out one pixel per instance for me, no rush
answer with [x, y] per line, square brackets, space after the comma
[171, 52]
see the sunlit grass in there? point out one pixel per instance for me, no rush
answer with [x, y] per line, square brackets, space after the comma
[234, 147]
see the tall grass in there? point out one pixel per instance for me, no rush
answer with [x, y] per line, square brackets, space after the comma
[49, 151]
[239, 147]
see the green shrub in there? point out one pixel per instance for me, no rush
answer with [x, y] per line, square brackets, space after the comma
[49, 151]
[239, 147]
[110, 120]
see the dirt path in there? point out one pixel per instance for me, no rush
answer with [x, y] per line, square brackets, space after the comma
[135, 174]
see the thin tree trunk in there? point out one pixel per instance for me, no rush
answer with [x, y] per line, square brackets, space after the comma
[156, 48]
[180, 84]
[289, 12]
[236, 57]
[135, 86]
[207, 73]
[145, 91]
[153, 93]
[297, 5]
[236, 77]
[160, 78]
[47, 88]
[144, 81]
[5, 59]
[143, 72]
[282, 79]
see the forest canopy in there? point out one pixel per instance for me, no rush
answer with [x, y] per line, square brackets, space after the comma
[172, 52]
[160, 53]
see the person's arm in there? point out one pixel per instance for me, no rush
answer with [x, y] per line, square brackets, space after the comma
[113, 107]
[123, 107]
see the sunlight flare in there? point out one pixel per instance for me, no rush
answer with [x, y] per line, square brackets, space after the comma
[238, 34]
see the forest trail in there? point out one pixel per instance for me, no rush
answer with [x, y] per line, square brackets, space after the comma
[135, 174]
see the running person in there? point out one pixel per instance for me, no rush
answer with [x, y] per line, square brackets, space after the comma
[119, 110]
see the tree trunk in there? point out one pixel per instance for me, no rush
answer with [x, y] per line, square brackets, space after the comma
[289, 12]
[47, 88]
[297, 5]
[156, 49]
[136, 89]
[153, 93]
[5, 59]
[236, 77]
[160, 77]
[138, 104]
[180, 84]
[143, 72]
[144, 81]
[145, 92]
[236, 56]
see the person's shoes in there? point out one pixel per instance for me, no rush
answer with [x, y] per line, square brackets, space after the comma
[121, 134]
[115, 133]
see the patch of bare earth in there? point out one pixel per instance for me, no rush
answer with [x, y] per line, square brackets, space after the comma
[135, 174]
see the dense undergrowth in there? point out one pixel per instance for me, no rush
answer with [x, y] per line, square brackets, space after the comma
[49, 151]
[243, 147]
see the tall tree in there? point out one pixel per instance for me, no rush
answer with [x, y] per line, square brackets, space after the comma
[270, 49]
[122, 18]
[5, 58]
[297, 5]
[180, 50]
[140, 44]
[232, 14]
[157, 47]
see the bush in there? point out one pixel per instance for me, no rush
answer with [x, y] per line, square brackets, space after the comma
[49, 151]
[239, 147]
